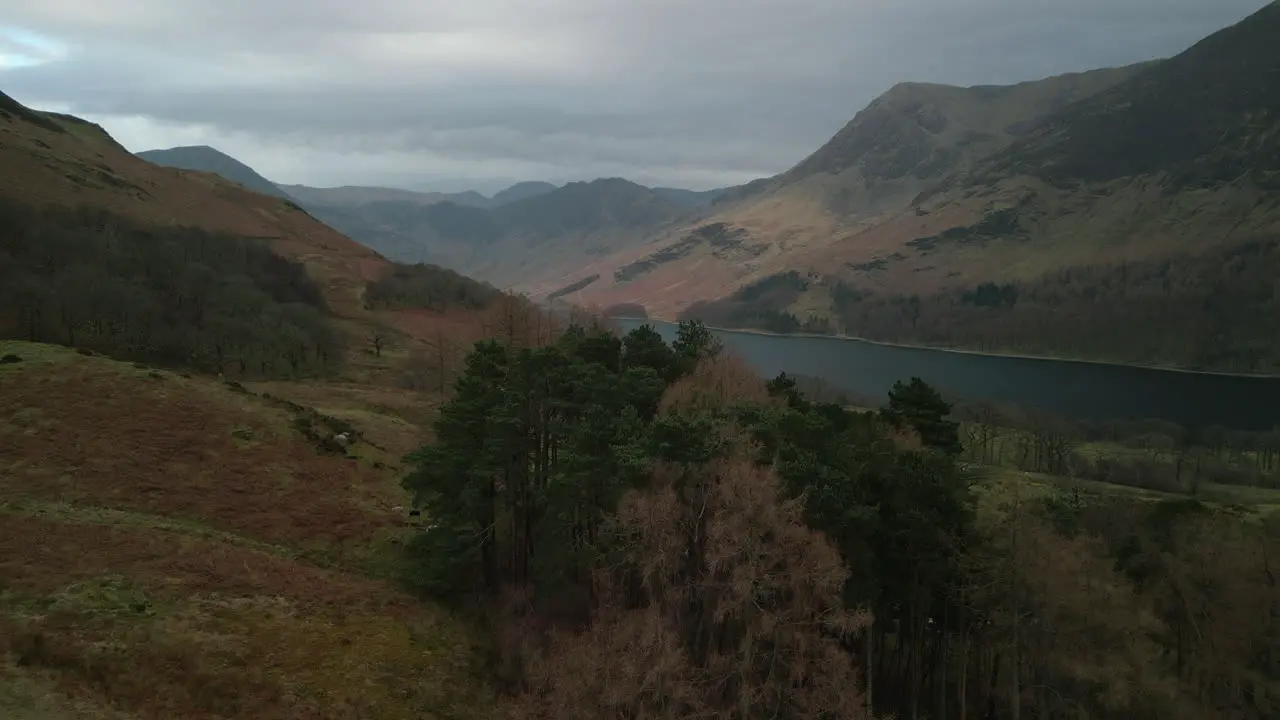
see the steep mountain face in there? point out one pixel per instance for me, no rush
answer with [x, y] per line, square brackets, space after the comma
[925, 131]
[203, 158]
[904, 143]
[1126, 214]
[1207, 117]
[521, 191]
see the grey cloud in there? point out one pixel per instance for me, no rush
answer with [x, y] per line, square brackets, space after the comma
[664, 91]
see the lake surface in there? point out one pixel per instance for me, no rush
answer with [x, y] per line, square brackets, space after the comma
[1063, 387]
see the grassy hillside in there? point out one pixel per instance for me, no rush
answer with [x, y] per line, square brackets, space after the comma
[1125, 215]
[61, 162]
[68, 181]
[206, 159]
[200, 555]
[178, 545]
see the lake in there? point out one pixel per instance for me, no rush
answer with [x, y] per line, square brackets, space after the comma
[1063, 387]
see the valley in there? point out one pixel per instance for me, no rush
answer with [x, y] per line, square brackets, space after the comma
[598, 449]
[927, 202]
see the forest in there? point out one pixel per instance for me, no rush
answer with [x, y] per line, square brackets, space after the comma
[172, 296]
[1212, 311]
[1151, 454]
[761, 305]
[427, 287]
[652, 531]
[1209, 311]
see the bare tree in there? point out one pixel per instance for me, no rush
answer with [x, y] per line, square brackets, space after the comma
[378, 339]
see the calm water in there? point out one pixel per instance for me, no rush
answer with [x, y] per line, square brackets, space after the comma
[1073, 389]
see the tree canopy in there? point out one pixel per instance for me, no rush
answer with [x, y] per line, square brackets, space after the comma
[665, 535]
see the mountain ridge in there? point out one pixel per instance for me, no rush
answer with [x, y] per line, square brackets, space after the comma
[521, 191]
[1152, 180]
[459, 230]
[69, 167]
[502, 244]
[202, 158]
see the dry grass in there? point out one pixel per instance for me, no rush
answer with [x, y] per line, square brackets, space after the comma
[86, 430]
[176, 547]
[171, 547]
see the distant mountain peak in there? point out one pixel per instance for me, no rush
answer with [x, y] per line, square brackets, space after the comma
[522, 191]
[922, 131]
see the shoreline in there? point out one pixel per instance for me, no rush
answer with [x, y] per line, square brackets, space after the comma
[963, 351]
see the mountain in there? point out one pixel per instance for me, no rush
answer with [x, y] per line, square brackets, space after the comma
[1125, 214]
[529, 232]
[58, 160]
[599, 206]
[522, 191]
[353, 195]
[514, 241]
[1205, 118]
[901, 144]
[691, 198]
[67, 178]
[126, 290]
[203, 158]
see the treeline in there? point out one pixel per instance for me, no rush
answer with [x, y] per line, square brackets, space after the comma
[1152, 454]
[761, 305]
[663, 535]
[573, 287]
[427, 287]
[176, 296]
[1212, 311]
[626, 310]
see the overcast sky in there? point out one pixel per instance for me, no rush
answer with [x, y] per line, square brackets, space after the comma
[481, 93]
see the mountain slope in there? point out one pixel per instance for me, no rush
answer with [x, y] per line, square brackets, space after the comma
[522, 191]
[513, 242]
[1126, 214]
[206, 159]
[352, 195]
[74, 171]
[204, 541]
[69, 162]
[588, 207]
[692, 198]
[902, 144]
[1205, 117]
[198, 553]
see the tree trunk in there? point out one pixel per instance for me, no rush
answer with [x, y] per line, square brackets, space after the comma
[870, 661]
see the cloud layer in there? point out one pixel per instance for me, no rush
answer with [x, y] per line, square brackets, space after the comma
[483, 93]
